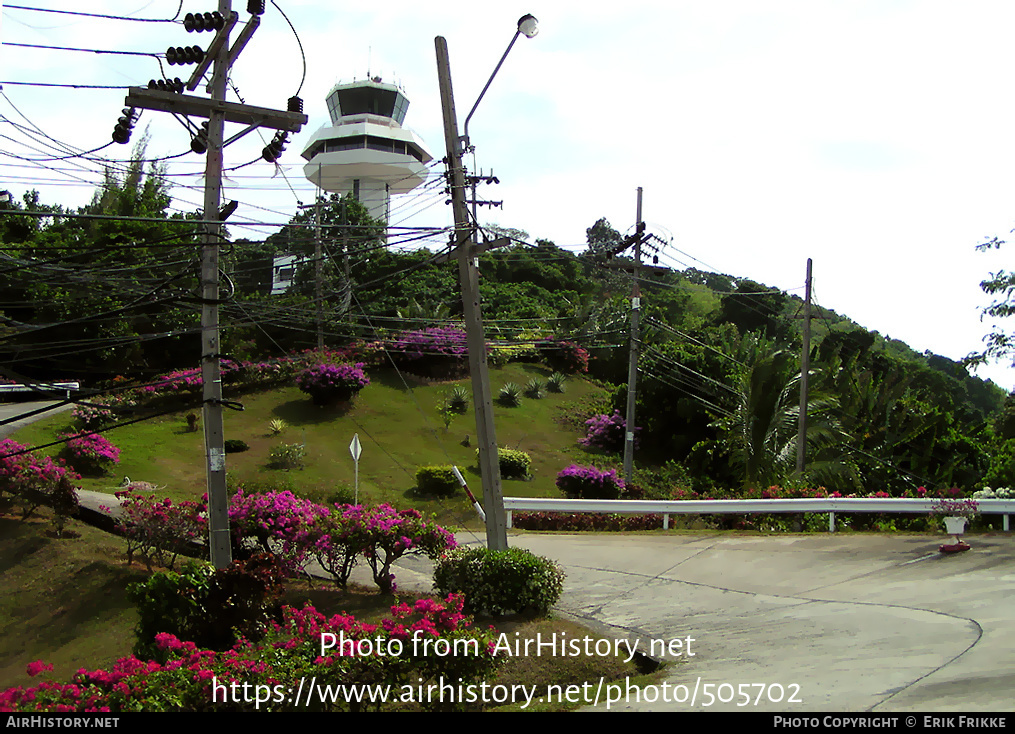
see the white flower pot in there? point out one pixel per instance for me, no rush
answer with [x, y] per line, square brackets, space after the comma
[955, 525]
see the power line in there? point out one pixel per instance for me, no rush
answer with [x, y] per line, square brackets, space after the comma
[94, 15]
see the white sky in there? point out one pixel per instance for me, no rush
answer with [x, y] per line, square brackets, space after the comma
[872, 136]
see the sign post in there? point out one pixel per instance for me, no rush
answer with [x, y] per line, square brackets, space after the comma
[355, 449]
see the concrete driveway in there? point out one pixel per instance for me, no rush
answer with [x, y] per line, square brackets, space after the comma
[807, 622]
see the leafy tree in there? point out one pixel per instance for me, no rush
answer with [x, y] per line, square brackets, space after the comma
[100, 294]
[753, 307]
[1001, 286]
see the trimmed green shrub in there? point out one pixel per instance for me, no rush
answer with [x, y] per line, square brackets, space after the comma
[513, 464]
[235, 446]
[438, 480]
[206, 606]
[500, 582]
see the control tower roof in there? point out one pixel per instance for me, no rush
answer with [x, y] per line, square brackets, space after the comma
[367, 97]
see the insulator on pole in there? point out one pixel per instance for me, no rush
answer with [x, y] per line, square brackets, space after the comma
[199, 143]
[124, 126]
[295, 104]
[184, 54]
[273, 150]
[255, 7]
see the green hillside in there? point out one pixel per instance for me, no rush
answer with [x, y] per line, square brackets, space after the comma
[399, 428]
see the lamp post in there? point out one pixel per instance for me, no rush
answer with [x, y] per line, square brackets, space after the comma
[468, 271]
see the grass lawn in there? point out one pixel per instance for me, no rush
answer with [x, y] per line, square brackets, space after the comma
[399, 428]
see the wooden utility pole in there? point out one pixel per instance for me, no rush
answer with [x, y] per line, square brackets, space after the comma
[464, 247]
[805, 368]
[632, 367]
[217, 111]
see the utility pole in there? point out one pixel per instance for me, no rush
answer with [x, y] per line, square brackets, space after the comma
[217, 111]
[464, 247]
[637, 239]
[805, 368]
[632, 368]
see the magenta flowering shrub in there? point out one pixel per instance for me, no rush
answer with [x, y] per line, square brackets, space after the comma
[588, 482]
[332, 383]
[194, 679]
[157, 530]
[606, 432]
[582, 521]
[92, 454]
[280, 523]
[391, 534]
[30, 482]
[564, 356]
[382, 535]
[91, 417]
[439, 352]
[294, 529]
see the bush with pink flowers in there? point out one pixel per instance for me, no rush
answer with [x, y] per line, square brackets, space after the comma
[194, 679]
[28, 482]
[328, 384]
[157, 530]
[588, 482]
[606, 432]
[91, 454]
[439, 352]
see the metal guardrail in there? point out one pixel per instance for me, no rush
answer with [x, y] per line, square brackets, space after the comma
[64, 387]
[830, 505]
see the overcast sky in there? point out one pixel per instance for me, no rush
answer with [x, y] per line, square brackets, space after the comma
[874, 137]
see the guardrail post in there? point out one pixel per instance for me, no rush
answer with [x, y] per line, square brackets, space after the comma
[831, 522]
[666, 521]
[509, 514]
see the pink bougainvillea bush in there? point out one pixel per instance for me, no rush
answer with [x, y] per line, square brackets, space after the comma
[278, 522]
[332, 383]
[438, 352]
[380, 534]
[308, 662]
[29, 482]
[92, 454]
[606, 432]
[157, 530]
[588, 482]
[296, 530]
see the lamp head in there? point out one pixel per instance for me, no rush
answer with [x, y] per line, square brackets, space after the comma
[528, 26]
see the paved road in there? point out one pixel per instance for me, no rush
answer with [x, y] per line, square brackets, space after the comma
[12, 410]
[859, 622]
[827, 622]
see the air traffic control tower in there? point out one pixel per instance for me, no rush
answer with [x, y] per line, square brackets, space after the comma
[366, 151]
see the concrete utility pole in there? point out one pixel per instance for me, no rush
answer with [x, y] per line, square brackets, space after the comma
[632, 369]
[468, 271]
[217, 111]
[805, 368]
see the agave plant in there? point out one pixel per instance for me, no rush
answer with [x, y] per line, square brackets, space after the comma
[535, 389]
[276, 426]
[511, 395]
[555, 382]
[458, 400]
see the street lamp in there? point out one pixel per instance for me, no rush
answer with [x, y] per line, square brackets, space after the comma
[528, 26]
[464, 243]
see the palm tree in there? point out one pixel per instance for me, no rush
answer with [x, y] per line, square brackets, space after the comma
[760, 431]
